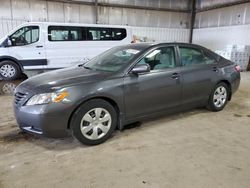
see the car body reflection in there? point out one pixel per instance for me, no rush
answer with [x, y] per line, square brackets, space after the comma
[8, 87]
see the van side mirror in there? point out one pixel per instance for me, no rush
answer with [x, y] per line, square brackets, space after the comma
[141, 69]
[9, 42]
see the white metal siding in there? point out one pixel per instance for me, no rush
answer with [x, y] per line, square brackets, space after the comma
[15, 12]
[162, 34]
[219, 37]
[233, 15]
[6, 25]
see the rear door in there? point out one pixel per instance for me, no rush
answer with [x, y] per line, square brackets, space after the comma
[65, 46]
[157, 90]
[199, 72]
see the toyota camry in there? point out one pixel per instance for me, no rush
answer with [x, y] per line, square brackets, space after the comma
[123, 85]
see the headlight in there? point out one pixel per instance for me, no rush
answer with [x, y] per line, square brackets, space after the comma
[46, 98]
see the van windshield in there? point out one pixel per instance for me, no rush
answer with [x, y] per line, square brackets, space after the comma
[112, 60]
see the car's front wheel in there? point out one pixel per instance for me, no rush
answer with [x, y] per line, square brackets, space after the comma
[219, 97]
[94, 122]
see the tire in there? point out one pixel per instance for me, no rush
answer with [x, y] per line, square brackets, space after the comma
[90, 130]
[218, 97]
[9, 70]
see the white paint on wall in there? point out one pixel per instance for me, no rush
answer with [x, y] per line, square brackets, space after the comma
[162, 34]
[156, 25]
[218, 38]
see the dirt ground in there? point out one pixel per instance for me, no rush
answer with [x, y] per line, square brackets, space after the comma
[193, 149]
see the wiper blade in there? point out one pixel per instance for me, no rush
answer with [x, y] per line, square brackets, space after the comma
[87, 67]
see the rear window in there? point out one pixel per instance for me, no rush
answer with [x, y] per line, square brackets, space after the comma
[72, 33]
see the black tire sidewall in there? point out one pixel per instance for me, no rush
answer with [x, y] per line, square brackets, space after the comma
[211, 105]
[82, 110]
[17, 72]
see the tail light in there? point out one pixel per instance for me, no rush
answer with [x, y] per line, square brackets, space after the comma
[237, 68]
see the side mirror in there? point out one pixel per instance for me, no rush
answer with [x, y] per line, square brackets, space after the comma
[140, 69]
[9, 42]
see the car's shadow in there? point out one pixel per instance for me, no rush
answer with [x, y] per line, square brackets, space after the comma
[59, 144]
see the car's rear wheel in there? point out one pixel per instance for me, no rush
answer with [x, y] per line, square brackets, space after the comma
[94, 122]
[219, 97]
[9, 70]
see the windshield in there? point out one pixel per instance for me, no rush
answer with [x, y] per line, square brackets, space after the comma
[112, 60]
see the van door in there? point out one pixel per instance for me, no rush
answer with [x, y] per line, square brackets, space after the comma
[63, 45]
[27, 46]
[69, 45]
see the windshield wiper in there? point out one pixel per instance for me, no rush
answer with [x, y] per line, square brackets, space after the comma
[87, 67]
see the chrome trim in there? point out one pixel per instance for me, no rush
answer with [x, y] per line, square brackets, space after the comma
[30, 129]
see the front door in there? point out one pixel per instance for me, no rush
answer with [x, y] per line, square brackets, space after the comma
[27, 46]
[157, 90]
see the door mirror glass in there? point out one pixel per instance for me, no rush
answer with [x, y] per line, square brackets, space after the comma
[141, 69]
[9, 43]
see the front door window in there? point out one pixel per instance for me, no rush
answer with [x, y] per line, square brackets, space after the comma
[25, 35]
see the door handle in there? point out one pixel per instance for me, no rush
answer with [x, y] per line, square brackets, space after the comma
[215, 69]
[175, 76]
[39, 46]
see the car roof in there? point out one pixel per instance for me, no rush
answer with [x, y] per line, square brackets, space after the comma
[145, 45]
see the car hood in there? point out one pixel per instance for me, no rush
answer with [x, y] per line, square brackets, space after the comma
[63, 78]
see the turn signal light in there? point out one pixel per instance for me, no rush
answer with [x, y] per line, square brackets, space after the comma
[61, 96]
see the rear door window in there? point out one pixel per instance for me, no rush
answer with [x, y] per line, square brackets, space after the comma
[193, 56]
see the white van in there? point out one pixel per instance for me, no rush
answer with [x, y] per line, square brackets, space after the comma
[47, 45]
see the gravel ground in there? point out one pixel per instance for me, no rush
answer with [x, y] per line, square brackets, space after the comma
[192, 149]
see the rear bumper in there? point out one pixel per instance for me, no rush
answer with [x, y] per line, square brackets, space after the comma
[38, 120]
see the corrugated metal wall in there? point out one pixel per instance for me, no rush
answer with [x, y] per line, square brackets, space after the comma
[36, 10]
[218, 28]
[203, 4]
[217, 38]
[143, 18]
[162, 34]
[233, 15]
[174, 4]
[14, 12]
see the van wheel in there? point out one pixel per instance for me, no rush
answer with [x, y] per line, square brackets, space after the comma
[9, 70]
[94, 122]
[219, 97]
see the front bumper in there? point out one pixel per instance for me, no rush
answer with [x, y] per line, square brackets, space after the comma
[50, 120]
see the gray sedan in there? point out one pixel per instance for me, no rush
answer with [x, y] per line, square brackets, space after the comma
[123, 85]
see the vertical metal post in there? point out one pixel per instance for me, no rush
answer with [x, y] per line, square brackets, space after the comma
[96, 11]
[192, 19]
